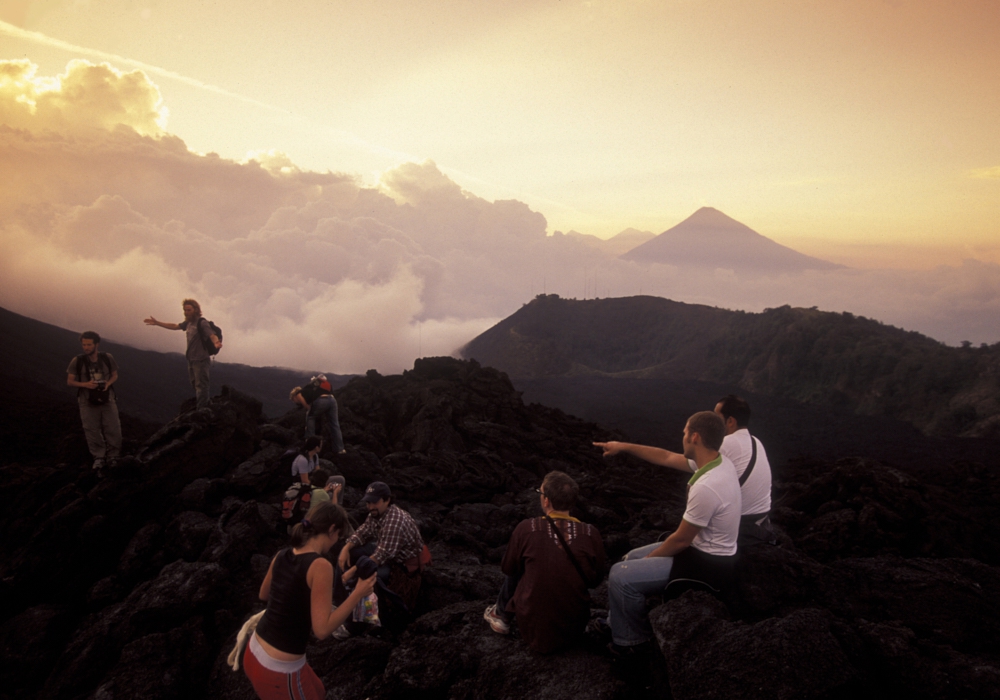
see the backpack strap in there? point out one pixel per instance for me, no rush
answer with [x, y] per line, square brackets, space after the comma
[562, 541]
[753, 461]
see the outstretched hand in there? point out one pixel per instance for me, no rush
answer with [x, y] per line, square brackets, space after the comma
[610, 448]
[150, 321]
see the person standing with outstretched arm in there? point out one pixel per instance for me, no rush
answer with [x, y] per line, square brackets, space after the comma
[298, 589]
[199, 360]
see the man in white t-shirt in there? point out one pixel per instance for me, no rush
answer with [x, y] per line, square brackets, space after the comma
[750, 459]
[703, 547]
[740, 448]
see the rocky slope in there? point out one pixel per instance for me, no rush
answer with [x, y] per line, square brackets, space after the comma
[134, 586]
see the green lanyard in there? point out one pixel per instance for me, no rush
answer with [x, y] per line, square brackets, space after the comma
[704, 470]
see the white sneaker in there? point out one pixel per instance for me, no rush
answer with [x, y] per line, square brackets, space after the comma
[497, 623]
[341, 633]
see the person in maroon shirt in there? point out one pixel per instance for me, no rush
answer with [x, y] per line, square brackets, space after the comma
[549, 567]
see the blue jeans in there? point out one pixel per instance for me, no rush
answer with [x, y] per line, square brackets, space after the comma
[325, 407]
[198, 374]
[629, 582]
[505, 595]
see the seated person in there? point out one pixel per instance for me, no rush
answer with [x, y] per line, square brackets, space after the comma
[391, 538]
[307, 460]
[550, 564]
[317, 480]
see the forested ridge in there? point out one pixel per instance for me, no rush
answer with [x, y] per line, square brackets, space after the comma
[808, 355]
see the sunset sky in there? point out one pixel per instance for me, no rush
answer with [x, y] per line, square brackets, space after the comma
[862, 131]
[346, 185]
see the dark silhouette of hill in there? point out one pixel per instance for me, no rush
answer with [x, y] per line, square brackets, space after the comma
[884, 584]
[152, 385]
[810, 356]
[708, 238]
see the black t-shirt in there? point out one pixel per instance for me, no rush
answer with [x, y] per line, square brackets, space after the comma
[287, 622]
[311, 392]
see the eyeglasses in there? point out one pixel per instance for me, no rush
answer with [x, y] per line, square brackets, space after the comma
[539, 492]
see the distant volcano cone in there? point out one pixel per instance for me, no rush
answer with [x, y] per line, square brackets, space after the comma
[710, 239]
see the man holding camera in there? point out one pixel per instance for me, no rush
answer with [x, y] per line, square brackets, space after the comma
[93, 373]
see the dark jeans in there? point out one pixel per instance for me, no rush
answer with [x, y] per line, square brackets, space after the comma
[507, 589]
[325, 408]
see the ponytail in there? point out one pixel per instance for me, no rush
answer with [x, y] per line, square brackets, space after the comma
[318, 522]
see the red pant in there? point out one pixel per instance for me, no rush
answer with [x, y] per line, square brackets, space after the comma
[304, 684]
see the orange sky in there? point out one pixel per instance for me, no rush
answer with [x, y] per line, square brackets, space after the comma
[860, 131]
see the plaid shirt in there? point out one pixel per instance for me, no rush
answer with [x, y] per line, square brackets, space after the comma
[395, 532]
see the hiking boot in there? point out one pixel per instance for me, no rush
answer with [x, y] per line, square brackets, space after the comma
[497, 623]
[98, 464]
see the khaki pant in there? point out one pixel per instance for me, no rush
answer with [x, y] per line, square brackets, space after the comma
[102, 428]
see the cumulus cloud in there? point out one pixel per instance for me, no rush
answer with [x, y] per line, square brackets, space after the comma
[86, 96]
[107, 220]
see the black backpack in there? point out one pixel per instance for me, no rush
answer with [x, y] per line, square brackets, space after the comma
[207, 342]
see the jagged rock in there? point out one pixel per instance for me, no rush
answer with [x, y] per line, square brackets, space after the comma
[710, 656]
[885, 577]
[451, 653]
[187, 535]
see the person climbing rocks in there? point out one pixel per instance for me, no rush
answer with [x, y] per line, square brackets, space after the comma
[317, 397]
[550, 564]
[298, 588]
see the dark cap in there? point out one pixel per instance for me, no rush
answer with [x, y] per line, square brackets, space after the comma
[375, 492]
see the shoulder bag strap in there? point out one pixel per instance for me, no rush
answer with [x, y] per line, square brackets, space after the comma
[572, 557]
[753, 461]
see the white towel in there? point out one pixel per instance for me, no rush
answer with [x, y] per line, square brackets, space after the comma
[241, 640]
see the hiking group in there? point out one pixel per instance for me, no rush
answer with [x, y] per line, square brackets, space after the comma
[337, 579]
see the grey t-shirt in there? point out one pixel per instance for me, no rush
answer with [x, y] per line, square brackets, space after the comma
[195, 347]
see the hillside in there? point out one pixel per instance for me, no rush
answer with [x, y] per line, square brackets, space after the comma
[812, 356]
[710, 239]
[132, 587]
[152, 385]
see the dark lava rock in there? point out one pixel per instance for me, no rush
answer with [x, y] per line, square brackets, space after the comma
[884, 582]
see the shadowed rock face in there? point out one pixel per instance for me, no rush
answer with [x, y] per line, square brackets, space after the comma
[885, 581]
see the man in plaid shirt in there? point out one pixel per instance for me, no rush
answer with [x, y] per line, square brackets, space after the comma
[388, 536]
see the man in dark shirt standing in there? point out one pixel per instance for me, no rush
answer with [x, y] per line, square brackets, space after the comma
[198, 333]
[550, 565]
[93, 373]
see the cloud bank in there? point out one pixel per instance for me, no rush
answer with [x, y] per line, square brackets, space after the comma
[107, 219]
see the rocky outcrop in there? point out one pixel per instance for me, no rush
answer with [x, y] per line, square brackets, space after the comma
[135, 585]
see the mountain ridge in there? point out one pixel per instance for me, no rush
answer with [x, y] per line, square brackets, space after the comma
[808, 355]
